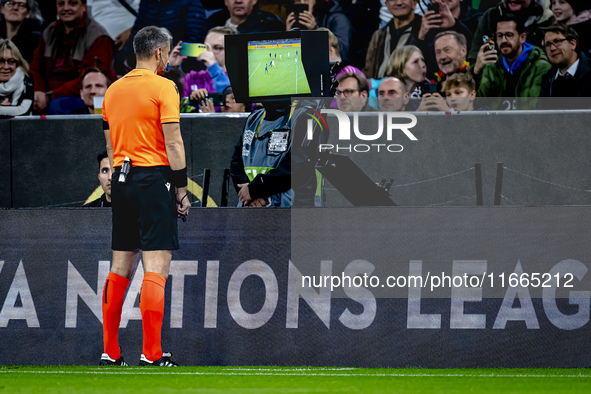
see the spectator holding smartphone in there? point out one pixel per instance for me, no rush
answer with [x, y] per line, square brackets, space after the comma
[534, 15]
[407, 28]
[247, 17]
[519, 70]
[311, 14]
[487, 54]
[198, 83]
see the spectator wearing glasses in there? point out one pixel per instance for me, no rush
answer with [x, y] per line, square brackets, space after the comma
[198, 83]
[337, 65]
[21, 23]
[570, 75]
[352, 93]
[16, 86]
[534, 15]
[519, 70]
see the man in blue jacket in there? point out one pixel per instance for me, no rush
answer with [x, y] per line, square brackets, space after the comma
[518, 71]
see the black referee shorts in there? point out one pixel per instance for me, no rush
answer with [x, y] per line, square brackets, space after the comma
[144, 210]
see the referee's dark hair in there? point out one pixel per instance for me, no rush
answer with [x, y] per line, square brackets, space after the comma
[100, 157]
[148, 39]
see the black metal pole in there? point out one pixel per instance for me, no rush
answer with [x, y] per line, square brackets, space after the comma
[225, 187]
[205, 187]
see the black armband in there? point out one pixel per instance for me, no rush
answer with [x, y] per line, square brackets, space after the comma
[105, 125]
[179, 178]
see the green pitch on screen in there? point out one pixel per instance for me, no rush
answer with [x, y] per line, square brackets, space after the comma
[286, 76]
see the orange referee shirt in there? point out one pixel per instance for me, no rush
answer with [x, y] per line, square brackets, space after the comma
[135, 107]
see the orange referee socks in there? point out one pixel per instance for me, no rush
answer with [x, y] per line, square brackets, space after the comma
[152, 307]
[113, 295]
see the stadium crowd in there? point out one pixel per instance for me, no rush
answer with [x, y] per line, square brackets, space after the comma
[430, 54]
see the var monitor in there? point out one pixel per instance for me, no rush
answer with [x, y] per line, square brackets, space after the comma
[265, 67]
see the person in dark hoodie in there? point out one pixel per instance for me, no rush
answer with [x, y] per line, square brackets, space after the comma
[246, 17]
[535, 17]
[570, 75]
[323, 13]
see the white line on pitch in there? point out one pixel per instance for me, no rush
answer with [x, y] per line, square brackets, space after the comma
[255, 70]
[285, 373]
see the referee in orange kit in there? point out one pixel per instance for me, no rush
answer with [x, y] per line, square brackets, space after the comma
[148, 191]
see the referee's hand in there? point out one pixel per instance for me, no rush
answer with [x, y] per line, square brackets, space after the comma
[182, 199]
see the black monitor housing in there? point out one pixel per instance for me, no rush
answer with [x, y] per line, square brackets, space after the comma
[282, 81]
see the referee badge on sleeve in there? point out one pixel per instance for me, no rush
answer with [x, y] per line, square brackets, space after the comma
[278, 142]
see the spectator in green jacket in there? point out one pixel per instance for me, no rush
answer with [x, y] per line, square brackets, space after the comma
[534, 15]
[518, 70]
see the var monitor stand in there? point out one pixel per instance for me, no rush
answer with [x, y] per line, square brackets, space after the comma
[352, 182]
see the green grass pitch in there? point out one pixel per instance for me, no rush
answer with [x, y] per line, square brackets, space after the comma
[287, 77]
[67, 379]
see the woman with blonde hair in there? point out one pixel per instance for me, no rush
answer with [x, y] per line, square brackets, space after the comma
[408, 63]
[16, 86]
